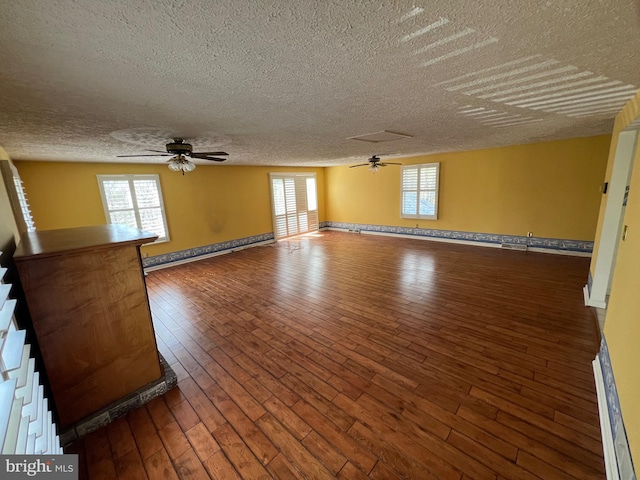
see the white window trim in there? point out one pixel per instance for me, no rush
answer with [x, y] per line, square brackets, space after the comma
[130, 179]
[436, 190]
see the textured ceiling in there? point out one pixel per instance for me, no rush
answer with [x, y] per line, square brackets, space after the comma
[287, 82]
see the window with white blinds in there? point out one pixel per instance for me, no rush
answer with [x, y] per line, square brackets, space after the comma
[420, 191]
[136, 201]
[295, 204]
[22, 200]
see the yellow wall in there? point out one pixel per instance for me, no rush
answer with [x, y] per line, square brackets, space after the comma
[213, 204]
[622, 324]
[550, 189]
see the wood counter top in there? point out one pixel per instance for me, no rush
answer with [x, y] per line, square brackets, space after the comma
[45, 243]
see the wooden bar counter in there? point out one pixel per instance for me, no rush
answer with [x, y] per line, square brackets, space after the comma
[88, 302]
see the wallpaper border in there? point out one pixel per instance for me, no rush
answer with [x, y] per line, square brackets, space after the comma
[215, 248]
[551, 244]
[619, 441]
[429, 233]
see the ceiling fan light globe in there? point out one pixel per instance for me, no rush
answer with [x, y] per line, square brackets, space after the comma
[188, 166]
[174, 166]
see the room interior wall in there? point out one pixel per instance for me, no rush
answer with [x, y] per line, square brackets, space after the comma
[550, 189]
[210, 205]
[627, 115]
[622, 328]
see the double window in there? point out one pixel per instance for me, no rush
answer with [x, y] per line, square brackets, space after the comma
[136, 201]
[420, 191]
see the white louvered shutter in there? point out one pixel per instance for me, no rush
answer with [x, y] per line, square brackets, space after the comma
[420, 191]
[135, 201]
[295, 204]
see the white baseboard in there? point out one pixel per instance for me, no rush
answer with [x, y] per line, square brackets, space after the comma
[610, 462]
[434, 239]
[585, 293]
[590, 302]
[554, 251]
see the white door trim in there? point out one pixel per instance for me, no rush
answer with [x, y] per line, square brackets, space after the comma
[610, 233]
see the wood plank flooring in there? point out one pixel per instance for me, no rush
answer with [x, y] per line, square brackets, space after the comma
[365, 357]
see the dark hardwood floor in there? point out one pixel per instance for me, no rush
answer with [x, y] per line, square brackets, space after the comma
[357, 356]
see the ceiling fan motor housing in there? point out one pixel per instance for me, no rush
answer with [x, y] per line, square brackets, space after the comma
[178, 147]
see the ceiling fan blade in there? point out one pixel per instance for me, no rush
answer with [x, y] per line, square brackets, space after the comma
[209, 153]
[361, 165]
[145, 155]
[207, 157]
[389, 163]
[159, 151]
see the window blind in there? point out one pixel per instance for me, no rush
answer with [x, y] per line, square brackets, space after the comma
[420, 191]
[295, 204]
[135, 201]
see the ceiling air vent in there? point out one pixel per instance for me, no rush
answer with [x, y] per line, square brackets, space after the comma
[377, 137]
